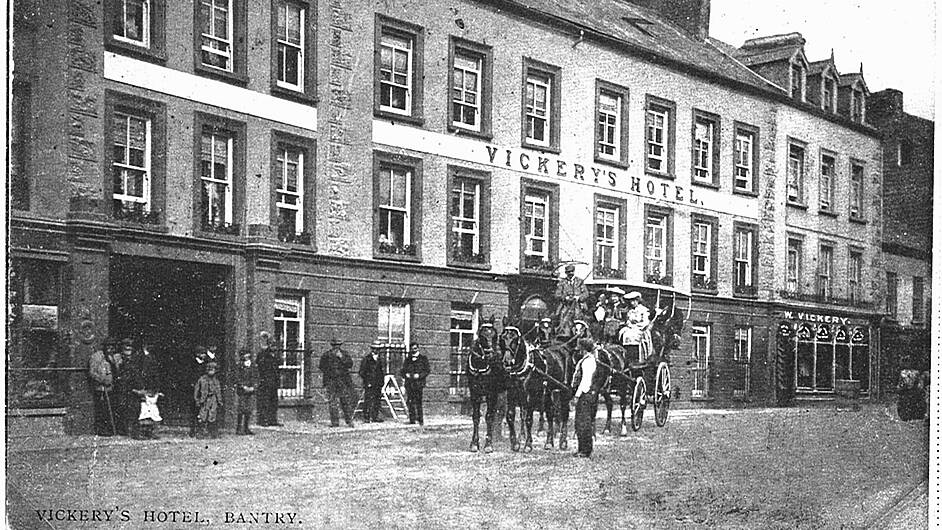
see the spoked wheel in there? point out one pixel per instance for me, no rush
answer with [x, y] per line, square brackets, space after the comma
[662, 394]
[637, 403]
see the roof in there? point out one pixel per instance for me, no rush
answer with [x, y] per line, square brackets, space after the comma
[646, 31]
[817, 67]
[850, 79]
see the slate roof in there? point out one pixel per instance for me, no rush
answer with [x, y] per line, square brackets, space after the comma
[849, 79]
[648, 33]
[816, 67]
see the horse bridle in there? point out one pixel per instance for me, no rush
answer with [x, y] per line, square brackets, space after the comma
[486, 351]
[527, 364]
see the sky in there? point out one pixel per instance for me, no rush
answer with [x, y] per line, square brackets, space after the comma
[894, 40]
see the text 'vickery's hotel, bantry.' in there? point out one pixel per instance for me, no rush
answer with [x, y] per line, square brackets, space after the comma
[195, 172]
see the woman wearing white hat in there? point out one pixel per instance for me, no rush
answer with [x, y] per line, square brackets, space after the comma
[636, 331]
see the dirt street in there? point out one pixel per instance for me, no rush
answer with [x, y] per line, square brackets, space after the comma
[759, 468]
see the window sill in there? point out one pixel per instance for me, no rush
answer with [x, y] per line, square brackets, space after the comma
[858, 220]
[702, 184]
[138, 52]
[148, 227]
[537, 272]
[700, 290]
[658, 174]
[418, 121]
[235, 78]
[620, 164]
[480, 135]
[798, 205]
[542, 148]
[827, 213]
[293, 95]
[207, 234]
[470, 265]
[746, 193]
[747, 296]
[396, 257]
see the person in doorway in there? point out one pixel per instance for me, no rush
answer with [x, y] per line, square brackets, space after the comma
[586, 395]
[267, 396]
[335, 365]
[372, 374]
[100, 372]
[196, 369]
[121, 375]
[208, 398]
[571, 295]
[143, 382]
[414, 371]
[246, 381]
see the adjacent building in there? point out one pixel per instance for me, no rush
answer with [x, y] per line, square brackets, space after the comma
[365, 170]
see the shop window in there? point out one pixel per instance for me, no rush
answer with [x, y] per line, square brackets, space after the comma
[827, 352]
[398, 69]
[700, 333]
[37, 364]
[293, 38]
[541, 105]
[289, 337]
[742, 357]
[464, 324]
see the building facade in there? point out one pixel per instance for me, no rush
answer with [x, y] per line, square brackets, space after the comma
[388, 170]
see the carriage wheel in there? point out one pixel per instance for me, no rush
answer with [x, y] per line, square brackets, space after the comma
[662, 394]
[637, 403]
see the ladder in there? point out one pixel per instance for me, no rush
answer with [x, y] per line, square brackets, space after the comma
[392, 396]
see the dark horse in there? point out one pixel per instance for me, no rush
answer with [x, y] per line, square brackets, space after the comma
[488, 381]
[539, 381]
[612, 359]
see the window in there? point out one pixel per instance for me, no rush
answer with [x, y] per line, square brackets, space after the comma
[744, 259]
[216, 34]
[700, 333]
[464, 324]
[293, 65]
[135, 27]
[918, 293]
[856, 191]
[904, 153]
[796, 174]
[220, 161]
[892, 294]
[793, 265]
[703, 232]
[826, 184]
[289, 337]
[135, 128]
[397, 196]
[611, 123]
[471, 67]
[539, 204]
[742, 356]
[797, 82]
[855, 276]
[610, 225]
[398, 69]
[706, 141]
[20, 124]
[659, 136]
[541, 104]
[745, 159]
[857, 106]
[468, 214]
[825, 272]
[393, 323]
[827, 94]
[657, 245]
[292, 187]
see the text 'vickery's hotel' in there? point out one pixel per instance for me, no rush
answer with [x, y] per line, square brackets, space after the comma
[396, 171]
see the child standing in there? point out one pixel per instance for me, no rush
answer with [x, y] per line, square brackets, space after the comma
[245, 390]
[150, 414]
[208, 397]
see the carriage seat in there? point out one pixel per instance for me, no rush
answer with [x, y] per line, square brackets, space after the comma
[634, 367]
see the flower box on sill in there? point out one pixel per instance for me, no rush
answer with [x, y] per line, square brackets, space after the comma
[702, 283]
[659, 280]
[229, 229]
[609, 273]
[745, 290]
[290, 236]
[538, 264]
[135, 214]
[397, 250]
[464, 256]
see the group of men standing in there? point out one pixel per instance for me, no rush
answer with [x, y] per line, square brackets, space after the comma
[336, 365]
[122, 378]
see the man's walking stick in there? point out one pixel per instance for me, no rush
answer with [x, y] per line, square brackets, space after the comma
[114, 430]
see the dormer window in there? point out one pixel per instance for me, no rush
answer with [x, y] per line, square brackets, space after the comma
[827, 94]
[857, 106]
[797, 82]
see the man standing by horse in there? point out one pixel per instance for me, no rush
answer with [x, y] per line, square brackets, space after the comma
[571, 295]
[587, 395]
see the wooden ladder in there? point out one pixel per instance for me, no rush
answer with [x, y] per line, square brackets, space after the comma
[393, 399]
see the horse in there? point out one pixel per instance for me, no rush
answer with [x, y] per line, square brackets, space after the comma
[488, 381]
[551, 369]
[526, 387]
[612, 359]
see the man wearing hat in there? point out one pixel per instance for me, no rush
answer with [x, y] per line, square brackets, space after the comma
[414, 371]
[586, 395]
[372, 373]
[99, 370]
[571, 295]
[266, 399]
[335, 366]
[636, 330]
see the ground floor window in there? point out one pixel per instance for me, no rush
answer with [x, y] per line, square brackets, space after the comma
[464, 326]
[289, 337]
[393, 327]
[742, 356]
[828, 352]
[701, 355]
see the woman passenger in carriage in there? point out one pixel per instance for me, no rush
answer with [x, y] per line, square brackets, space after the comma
[636, 331]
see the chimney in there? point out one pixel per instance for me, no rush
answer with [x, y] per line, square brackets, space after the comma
[884, 105]
[692, 16]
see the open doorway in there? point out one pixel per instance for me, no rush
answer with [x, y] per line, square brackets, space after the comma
[176, 306]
